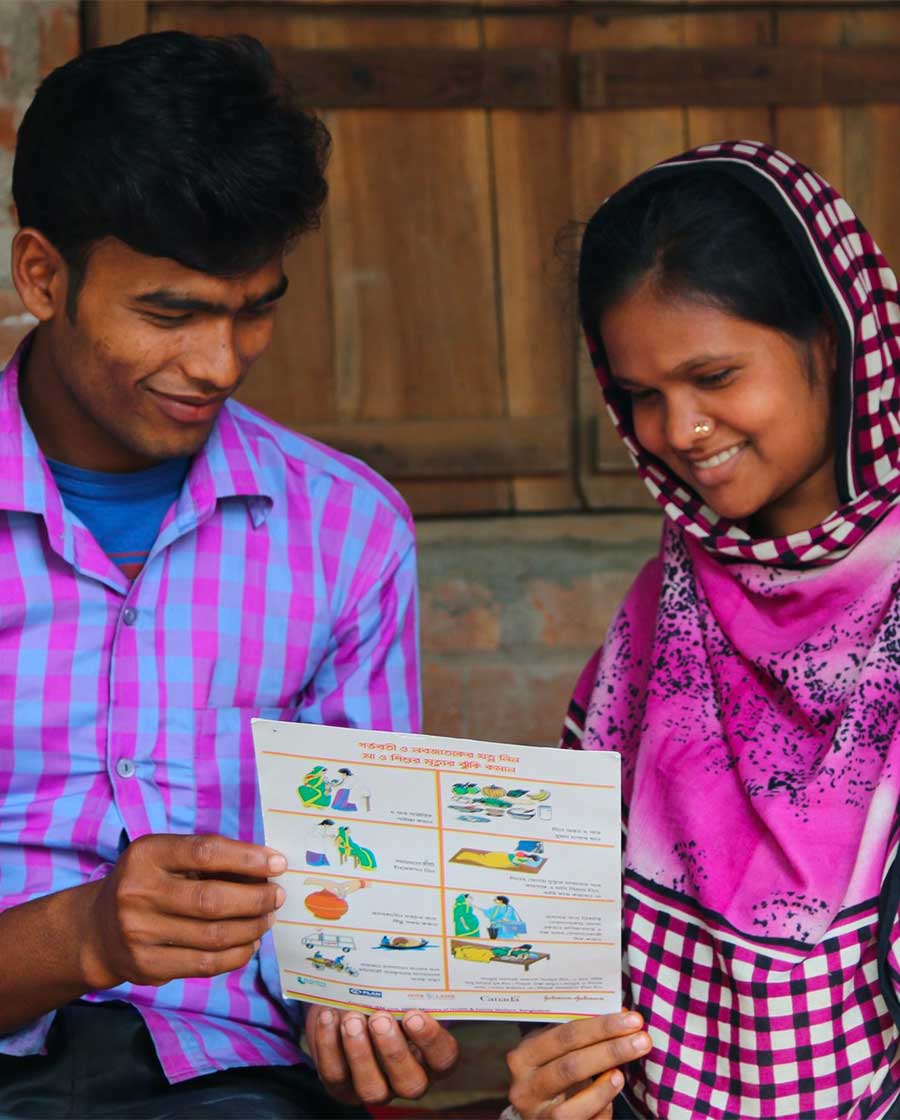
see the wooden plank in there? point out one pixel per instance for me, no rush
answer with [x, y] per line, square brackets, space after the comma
[858, 74]
[426, 78]
[708, 124]
[447, 449]
[412, 257]
[532, 203]
[812, 135]
[111, 21]
[614, 79]
[608, 148]
[854, 147]
[871, 150]
[740, 75]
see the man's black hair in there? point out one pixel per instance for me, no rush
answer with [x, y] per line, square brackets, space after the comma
[180, 146]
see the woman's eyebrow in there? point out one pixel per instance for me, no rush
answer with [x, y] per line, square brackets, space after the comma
[698, 361]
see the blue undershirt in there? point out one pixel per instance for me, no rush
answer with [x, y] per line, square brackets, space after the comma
[122, 511]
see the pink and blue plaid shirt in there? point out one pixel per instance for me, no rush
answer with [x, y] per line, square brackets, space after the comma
[281, 584]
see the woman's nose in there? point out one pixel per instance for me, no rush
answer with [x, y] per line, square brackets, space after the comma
[685, 425]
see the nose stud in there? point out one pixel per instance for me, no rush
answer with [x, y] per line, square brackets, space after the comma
[702, 428]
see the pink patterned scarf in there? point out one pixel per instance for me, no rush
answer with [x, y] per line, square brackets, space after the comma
[753, 690]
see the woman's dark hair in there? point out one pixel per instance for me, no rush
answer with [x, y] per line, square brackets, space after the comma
[701, 235]
[180, 146]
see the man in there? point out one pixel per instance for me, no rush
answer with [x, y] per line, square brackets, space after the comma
[172, 564]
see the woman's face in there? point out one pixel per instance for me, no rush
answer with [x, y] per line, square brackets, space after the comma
[766, 457]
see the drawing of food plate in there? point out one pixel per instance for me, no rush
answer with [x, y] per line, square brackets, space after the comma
[473, 802]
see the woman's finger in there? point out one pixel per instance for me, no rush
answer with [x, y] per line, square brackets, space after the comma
[560, 1075]
[594, 1102]
[545, 1046]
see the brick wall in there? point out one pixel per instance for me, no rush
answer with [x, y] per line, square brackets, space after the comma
[35, 37]
[512, 608]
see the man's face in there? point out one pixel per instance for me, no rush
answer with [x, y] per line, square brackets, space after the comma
[153, 353]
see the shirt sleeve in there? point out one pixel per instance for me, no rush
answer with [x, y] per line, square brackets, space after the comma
[369, 676]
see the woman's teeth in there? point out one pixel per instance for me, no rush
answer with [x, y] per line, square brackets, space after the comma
[717, 460]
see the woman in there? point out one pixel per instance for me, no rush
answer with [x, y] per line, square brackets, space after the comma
[504, 919]
[315, 792]
[465, 920]
[744, 327]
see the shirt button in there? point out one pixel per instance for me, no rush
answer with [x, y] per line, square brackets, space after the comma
[125, 768]
[129, 615]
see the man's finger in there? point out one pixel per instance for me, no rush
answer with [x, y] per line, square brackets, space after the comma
[366, 1074]
[162, 964]
[323, 1033]
[212, 900]
[214, 936]
[437, 1045]
[406, 1075]
[210, 854]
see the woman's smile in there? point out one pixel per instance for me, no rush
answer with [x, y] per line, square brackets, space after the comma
[718, 468]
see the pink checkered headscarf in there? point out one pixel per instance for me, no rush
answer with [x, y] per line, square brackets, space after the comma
[861, 293]
[752, 688]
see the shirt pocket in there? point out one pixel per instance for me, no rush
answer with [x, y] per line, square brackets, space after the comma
[224, 769]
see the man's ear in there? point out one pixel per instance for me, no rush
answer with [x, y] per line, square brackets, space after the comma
[39, 273]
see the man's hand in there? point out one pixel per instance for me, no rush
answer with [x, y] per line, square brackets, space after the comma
[369, 1061]
[570, 1072]
[179, 906]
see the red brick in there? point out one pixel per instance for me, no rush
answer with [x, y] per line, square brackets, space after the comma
[443, 692]
[12, 326]
[59, 35]
[10, 304]
[459, 615]
[517, 705]
[8, 124]
[577, 615]
[9, 340]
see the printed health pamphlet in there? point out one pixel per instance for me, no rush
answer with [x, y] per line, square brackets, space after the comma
[473, 880]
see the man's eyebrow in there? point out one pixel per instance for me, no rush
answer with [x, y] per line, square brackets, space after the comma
[168, 299]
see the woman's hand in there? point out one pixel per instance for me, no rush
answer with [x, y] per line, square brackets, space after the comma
[571, 1072]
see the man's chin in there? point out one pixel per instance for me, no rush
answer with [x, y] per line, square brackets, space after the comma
[184, 445]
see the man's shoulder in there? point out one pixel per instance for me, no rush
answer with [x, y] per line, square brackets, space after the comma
[304, 461]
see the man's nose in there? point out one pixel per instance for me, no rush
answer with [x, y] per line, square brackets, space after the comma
[216, 360]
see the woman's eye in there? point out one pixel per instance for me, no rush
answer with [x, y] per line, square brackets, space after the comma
[711, 380]
[641, 394]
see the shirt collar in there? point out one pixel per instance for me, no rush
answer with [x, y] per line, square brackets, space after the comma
[225, 467]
